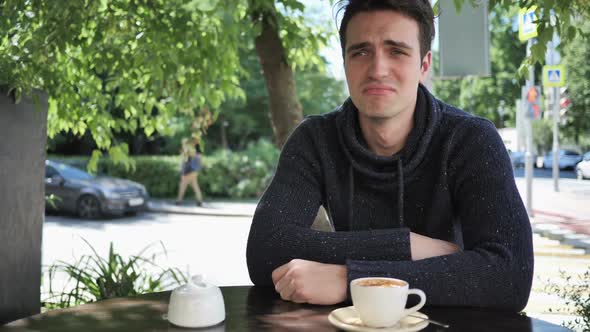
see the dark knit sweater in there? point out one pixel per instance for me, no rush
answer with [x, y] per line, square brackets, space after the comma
[456, 185]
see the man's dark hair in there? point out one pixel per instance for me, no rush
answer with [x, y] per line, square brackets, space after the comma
[419, 10]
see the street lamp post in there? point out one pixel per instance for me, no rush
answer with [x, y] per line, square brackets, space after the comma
[501, 112]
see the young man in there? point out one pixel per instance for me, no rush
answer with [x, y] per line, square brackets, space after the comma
[415, 189]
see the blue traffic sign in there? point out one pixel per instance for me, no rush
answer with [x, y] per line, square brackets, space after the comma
[553, 76]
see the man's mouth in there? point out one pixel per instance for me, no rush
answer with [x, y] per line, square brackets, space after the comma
[378, 90]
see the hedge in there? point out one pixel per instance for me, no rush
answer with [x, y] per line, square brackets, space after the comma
[228, 174]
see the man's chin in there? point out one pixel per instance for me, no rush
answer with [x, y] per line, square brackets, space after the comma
[377, 114]
[378, 108]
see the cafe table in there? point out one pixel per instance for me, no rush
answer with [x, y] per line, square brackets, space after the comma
[251, 308]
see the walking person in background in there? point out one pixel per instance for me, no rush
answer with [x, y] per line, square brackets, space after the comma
[189, 171]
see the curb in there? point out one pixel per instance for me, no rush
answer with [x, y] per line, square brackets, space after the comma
[159, 207]
[564, 236]
[553, 214]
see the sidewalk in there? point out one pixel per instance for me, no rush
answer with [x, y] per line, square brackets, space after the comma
[223, 208]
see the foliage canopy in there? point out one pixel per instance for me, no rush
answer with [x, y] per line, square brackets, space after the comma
[122, 65]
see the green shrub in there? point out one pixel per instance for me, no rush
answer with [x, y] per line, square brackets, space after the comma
[159, 174]
[575, 290]
[225, 173]
[240, 174]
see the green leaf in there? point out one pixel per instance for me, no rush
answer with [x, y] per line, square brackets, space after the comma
[93, 162]
[149, 130]
[202, 5]
[571, 32]
[538, 52]
[436, 7]
[458, 5]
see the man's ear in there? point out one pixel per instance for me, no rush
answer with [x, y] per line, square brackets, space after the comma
[425, 66]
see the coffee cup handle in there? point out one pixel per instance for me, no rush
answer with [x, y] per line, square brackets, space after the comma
[417, 306]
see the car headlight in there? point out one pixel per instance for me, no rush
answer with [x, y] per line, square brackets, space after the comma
[111, 194]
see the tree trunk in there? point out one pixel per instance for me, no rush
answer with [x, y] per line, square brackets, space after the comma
[285, 109]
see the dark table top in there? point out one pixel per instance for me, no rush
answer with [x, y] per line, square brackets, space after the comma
[251, 309]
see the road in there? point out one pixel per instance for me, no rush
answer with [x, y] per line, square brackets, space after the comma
[540, 173]
[213, 246]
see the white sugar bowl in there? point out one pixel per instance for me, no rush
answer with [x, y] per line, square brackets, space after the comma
[196, 304]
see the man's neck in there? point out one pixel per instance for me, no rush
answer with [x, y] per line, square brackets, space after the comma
[387, 136]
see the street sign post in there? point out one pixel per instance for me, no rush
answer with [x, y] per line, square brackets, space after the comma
[527, 28]
[531, 99]
[553, 76]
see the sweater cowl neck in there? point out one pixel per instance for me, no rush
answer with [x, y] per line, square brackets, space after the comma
[366, 162]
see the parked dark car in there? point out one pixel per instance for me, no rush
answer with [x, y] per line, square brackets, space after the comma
[90, 196]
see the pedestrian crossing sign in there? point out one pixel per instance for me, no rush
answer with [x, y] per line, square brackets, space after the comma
[553, 76]
[527, 28]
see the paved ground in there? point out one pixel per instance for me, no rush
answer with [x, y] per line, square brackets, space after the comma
[214, 246]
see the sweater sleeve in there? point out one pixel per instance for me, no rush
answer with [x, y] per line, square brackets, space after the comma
[495, 268]
[281, 227]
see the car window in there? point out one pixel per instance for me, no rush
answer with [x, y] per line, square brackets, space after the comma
[571, 153]
[73, 173]
[587, 156]
[50, 171]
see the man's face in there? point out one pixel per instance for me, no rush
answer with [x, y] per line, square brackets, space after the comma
[383, 64]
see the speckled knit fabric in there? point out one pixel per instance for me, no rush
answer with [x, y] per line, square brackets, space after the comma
[456, 184]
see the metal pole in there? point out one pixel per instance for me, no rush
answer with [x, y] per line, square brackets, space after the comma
[556, 139]
[528, 170]
[555, 123]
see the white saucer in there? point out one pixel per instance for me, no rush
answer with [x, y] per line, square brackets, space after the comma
[347, 319]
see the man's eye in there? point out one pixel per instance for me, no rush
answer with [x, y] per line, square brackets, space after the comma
[359, 53]
[397, 52]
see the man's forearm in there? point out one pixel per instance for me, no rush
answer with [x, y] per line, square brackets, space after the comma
[425, 247]
[267, 251]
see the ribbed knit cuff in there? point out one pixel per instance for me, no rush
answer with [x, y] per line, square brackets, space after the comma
[358, 268]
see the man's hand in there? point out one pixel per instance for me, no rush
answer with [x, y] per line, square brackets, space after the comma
[424, 247]
[305, 281]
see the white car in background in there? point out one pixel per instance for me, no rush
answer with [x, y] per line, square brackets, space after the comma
[583, 167]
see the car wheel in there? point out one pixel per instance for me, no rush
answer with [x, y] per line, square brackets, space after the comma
[88, 207]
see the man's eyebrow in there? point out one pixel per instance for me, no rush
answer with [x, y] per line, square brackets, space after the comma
[389, 42]
[356, 46]
[396, 43]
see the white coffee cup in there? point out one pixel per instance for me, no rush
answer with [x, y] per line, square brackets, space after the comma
[196, 304]
[381, 302]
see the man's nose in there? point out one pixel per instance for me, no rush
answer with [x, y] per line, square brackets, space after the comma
[378, 67]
